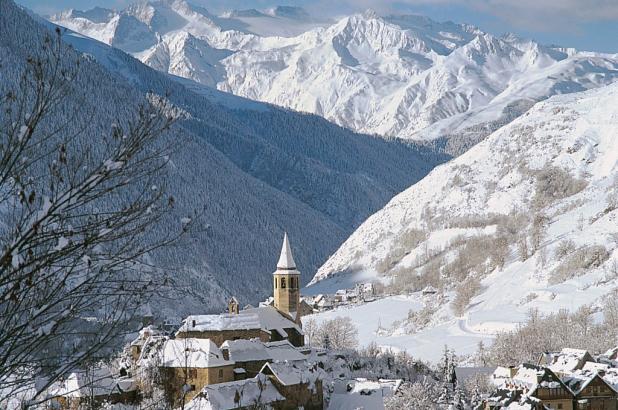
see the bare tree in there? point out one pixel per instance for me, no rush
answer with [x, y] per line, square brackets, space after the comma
[341, 333]
[75, 215]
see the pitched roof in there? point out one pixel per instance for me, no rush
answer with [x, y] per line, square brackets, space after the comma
[286, 260]
[192, 352]
[224, 321]
[97, 382]
[283, 350]
[243, 350]
[232, 395]
[272, 319]
[289, 374]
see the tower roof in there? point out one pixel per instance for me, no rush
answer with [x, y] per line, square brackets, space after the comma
[286, 260]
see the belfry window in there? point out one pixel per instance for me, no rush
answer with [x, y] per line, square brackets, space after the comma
[282, 283]
[275, 283]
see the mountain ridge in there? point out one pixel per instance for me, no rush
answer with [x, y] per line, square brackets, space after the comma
[393, 76]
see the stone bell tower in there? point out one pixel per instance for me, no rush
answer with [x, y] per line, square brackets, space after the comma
[286, 281]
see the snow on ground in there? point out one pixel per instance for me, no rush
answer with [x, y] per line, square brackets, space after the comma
[426, 345]
[575, 133]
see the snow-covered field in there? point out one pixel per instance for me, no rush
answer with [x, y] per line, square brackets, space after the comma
[426, 345]
[575, 259]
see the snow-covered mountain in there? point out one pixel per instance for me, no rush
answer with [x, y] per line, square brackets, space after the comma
[404, 76]
[250, 170]
[528, 218]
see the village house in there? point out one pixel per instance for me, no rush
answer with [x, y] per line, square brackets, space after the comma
[535, 382]
[189, 364]
[299, 383]
[254, 393]
[91, 388]
[591, 392]
[250, 356]
[137, 345]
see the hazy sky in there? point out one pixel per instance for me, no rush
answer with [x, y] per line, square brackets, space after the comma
[583, 24]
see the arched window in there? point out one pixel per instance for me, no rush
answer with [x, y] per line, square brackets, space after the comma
[282, 283]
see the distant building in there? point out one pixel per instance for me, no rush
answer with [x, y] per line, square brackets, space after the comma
[233, 307]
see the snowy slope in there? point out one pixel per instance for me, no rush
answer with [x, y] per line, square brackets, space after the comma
[404, 76]
[557, 164]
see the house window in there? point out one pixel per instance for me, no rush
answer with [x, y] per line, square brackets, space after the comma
[559, 405]
[282, 283]
[192, 373]
[220, 374]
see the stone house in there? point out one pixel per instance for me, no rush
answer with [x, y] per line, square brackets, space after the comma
[250, 356]
[299, 383]
[256, 392]
[265, 323]
[91, 388]
[194, 363]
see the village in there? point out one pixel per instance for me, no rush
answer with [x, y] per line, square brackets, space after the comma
[245, 357]
[257, 357]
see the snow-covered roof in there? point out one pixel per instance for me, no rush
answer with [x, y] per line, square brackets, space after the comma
[232, 395]
[283, 350]
[243, 350]
[290, 374]
[532, 377]
[357, 394]
[272, 319]
[568, 360]
[266, 318]
[595, 367]
[144, 334]
[97, 381]
[192, 353]
[245, 320]
[286, 260]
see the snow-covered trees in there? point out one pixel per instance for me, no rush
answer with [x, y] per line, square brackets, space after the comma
[552, 332]
[75, 213]
[337, 334]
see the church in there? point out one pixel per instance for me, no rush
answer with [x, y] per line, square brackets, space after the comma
[279, 318]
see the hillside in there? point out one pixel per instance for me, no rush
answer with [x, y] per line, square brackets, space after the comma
[242, 177]
[395, 76]
[526, 219]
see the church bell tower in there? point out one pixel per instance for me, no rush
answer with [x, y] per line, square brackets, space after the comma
[286, 281]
